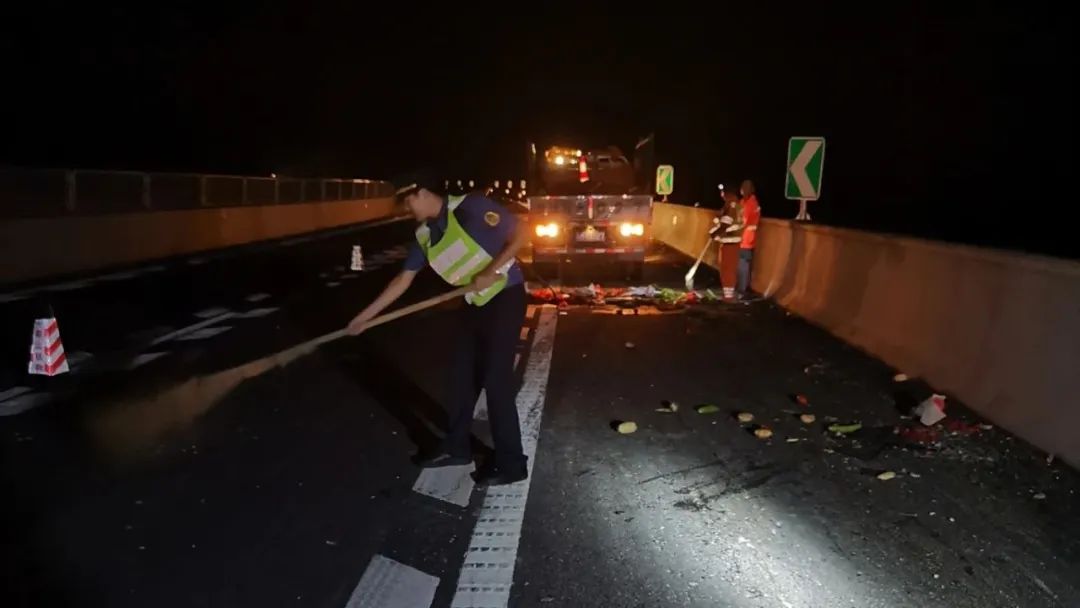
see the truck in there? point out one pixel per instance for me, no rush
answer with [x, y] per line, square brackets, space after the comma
[590, 205]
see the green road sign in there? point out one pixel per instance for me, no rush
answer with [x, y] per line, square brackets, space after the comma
[665, 180]
[805, 161]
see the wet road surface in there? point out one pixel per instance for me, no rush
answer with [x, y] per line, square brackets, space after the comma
[173, 482]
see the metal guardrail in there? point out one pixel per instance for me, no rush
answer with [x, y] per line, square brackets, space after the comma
[60, 192]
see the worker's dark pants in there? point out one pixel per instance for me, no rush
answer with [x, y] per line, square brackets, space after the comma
[746, 260]
[484, 358]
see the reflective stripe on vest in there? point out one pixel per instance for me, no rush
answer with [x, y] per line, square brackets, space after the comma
[457, 257]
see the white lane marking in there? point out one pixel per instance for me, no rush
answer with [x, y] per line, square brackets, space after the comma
[211, 312]
[77, 358]
[257, 297]
[13, 392]
[145, 358]
[255, 313]
[453, 484]
[517, 359]
[488, 571]
[197, 261]
[13, 297]
[480, 411]
[524, 335]
[204, 333]
[120, 276]
[191, 328]
[351, 275]
[390, 584]
[23, 402]
[69, 286]
[530, 311]
[333, 283]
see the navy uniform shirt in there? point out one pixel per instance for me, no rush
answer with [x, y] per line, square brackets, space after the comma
[473, 216]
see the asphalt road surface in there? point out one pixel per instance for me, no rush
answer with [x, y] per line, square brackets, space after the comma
[164, 472]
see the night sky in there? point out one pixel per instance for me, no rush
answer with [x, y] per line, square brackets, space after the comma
[954, 126]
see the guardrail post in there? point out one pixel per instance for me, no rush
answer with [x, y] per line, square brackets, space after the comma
[146, 203]
[70, 191]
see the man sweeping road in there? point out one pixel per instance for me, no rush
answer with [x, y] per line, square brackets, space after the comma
[469, 240]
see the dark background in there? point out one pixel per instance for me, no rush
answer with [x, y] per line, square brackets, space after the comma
[955, 124]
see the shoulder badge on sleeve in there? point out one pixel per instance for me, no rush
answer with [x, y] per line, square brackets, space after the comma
[491, 218]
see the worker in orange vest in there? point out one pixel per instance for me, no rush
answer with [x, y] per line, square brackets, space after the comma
[751, 212]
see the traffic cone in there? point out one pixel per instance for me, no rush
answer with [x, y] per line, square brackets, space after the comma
[357, 258]
[47, 356]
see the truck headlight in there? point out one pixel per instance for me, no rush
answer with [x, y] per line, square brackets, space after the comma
[548, 230]
[628, 229]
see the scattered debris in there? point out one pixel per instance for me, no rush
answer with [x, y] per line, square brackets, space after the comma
[629, 345]
[707, 408]
[914, 475]
[1039, 496]
[763, 433]
[900, 378]
[668, 407]
[886, 476]
[1050, 460]
[807, 418]
[959, 427]
[332, 543]
[794, 439]
[932, 410]
[745, 417]
[986, 427]
[802, 400]
[920, 434]
[627, 427]
[844, 429]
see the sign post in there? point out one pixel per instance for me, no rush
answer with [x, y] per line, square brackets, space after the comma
[805, 162]
[665, 180]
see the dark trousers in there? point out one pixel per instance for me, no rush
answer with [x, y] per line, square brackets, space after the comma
[746, 260]
[484, 359]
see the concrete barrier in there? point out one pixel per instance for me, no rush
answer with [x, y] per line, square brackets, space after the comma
[999, 330]
[33, 248]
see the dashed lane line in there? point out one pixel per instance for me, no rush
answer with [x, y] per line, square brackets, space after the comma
[488, 572]
[204, 333]
[145, 358]
[191, 328]
[256, 313]
[211, 312]
[390, 584]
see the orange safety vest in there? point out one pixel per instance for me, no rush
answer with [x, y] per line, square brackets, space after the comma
[751, 216]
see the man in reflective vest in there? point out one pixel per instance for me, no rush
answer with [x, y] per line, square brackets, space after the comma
[470, 240]
[751, 212]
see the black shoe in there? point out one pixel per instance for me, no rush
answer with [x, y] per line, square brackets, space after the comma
[494, 476]
[441, 459]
